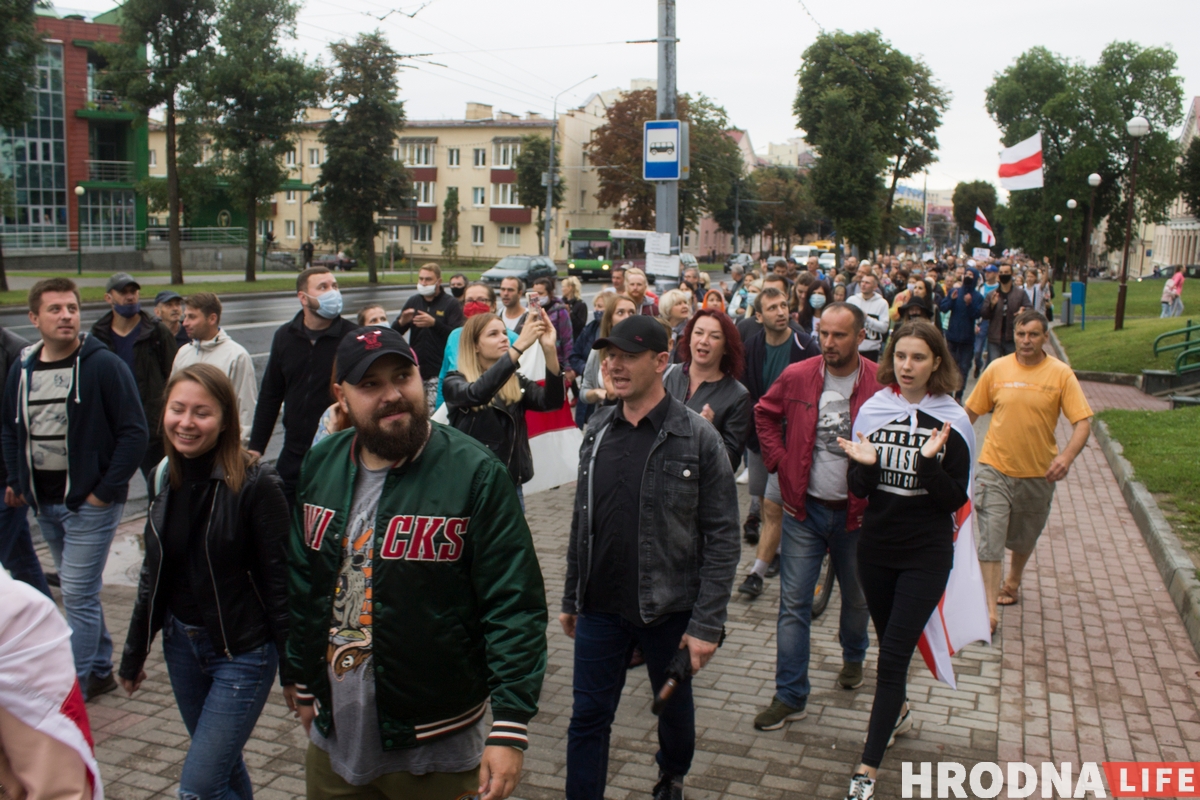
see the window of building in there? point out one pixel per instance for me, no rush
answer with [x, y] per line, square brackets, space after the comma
[453, 157]
[107, 218]
[476, 234]
[266, 226]
[479, 196]
[506, 153]
[312, 229]
[314, 157]
[289, 196]
[687, 239]
[510, 236]
[395, 154]
[289, 229]
[154, 158]
[582, 199]
[418, 154]
[423, 191]
[37, 150]
[423, 233]
[480, 157]
[505, 194]
[394, 233]
[290, 158]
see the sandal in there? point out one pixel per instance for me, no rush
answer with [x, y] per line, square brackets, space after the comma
[1008, 597]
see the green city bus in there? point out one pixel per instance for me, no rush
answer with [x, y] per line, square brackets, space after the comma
[591, 252]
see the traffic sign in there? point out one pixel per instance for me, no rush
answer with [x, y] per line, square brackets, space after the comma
[664, 150]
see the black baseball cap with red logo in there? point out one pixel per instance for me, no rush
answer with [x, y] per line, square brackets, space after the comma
[359, 349]
[636, 335]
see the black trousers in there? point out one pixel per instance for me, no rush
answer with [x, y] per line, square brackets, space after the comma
[901, 602]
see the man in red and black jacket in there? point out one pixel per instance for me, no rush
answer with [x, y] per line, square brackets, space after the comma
[799, 421]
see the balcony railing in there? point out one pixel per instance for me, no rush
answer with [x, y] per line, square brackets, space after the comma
[101, 100]
[111, 171]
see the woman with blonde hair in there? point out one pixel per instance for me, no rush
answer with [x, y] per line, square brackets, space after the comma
[487, 398]
[572, 291]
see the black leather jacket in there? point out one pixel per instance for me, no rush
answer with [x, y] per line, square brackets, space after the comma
[238, 570]
[475, 410]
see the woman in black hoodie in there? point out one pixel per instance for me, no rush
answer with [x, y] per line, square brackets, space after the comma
[486, 396]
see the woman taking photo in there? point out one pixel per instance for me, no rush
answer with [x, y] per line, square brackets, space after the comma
[617, 307]
[487, 398]
[705, 379]
[911, 459]
[214, 581]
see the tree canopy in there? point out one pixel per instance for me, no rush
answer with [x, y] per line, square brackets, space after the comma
[532, 163]
[968, 197]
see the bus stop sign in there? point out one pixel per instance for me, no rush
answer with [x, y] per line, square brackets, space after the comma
[664, 150]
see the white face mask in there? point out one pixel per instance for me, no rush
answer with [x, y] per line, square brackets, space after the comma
[427, 291]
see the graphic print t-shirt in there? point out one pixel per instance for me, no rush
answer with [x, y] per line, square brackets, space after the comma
[49, 389]
[827, 479]
[354, 745]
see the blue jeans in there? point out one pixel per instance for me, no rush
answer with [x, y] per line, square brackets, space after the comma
[79, 542]
[603, 645]
[804, 545]
[220, 699]
[981, 345]
[16, 548]
[962, 352]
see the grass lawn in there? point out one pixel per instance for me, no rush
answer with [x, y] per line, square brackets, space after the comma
[1141, 299]
[1163, 447]
[1131, 350]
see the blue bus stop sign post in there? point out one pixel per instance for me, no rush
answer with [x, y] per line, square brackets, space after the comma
[663, 145]
[1079, 300]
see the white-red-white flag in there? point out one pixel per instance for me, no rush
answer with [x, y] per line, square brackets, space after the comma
[1021, 164]
[985, 230]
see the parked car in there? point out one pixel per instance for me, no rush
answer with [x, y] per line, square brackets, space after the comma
[739, 258]
[527, 268]
[688, 261]
[773, 260]
[827, 261]
[335, 262]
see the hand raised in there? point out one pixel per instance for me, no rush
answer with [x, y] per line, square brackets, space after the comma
[861, 451]
[936, 441]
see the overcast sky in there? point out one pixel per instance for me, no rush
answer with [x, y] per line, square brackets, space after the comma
[517, 55]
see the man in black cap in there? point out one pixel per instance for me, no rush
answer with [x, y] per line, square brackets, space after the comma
[651, 557]
[168, 307]
[147, 347]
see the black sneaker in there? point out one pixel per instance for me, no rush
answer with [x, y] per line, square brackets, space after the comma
[752, 587]
[98, 686]
[773, 567]
[52, 579]
[669, 787]
[750, 530]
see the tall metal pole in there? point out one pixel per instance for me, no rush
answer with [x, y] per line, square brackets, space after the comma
[1057, 229]
[666, 193]
[737, 208]
[546, 229]
[1071, 204]
[1120, 316]
[1087, 238]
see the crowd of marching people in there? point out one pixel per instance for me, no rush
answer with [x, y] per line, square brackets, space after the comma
[838, 397]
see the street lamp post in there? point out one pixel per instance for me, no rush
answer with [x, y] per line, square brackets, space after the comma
[1071, 206]
[1137, 128]
[79, 193]
[1057, 231]
[550, 169]
[1093, 181]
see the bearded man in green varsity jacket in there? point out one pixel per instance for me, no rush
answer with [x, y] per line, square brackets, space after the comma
[416, 597]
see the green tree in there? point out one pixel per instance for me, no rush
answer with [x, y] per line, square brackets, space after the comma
[846, 182]
[787, 204]
[532, 164]
[896, 98]
[742, 212]
[20, 46]
[360, 178]
[450, 225]
[1189, 176]
[162, 45]
[1081, 111]
[253, 95]
[968, 197]
[616, 147]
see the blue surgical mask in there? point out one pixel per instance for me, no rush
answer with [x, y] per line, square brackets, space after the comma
[817, 300]
[127, 310]
[329, 305]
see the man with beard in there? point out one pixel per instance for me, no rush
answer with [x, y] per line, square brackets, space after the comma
[1000, 311]
[297, 374]
[416, 523]
[812, 404]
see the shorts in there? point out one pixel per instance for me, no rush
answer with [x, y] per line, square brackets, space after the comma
[758, 473]
[772, 492]
[1011, 512]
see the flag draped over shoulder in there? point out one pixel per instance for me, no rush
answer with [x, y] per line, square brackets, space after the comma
[961, 616]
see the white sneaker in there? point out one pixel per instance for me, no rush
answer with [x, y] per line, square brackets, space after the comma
[861, 788]
[903, 726]
[744, 478]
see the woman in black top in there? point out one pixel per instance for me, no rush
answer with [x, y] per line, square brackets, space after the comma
[214, 580]
[913, 464]
[711, 357]
[817, 295]
[486, 396]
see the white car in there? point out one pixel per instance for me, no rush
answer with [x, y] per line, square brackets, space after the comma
[827, 261]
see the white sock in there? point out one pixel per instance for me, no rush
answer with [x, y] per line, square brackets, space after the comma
[759, 568]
